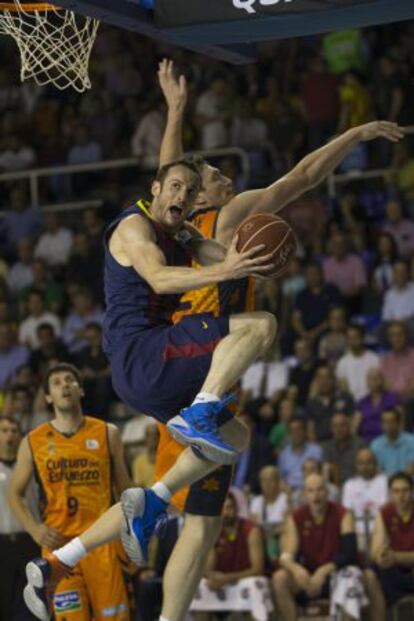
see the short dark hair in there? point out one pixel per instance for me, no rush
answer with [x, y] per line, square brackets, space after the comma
[401, 476]
[297, 419]
[358, 328]
[94, 325]
[393, 411]
[16, 388]
[36, 292]
[13, 421]
[185, 161]
[198, 160]
[45, 326]
[61, 367]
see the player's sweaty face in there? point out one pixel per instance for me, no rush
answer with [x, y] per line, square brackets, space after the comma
[64, 390]
[217, 189]
[177, 195]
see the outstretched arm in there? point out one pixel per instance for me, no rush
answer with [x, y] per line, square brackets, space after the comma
[307, 174]
[175, 93]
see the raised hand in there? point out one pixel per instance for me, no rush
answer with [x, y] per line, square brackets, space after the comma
[381, 129]
[175, 90]
[242, 264]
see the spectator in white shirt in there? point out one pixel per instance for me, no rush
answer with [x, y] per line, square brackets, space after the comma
[270, 508]
[213, 113]
[271, 505]
[37, 315]
[353, 367]
[20, 274]
[147, 138]
[364, 494]
[16, 156]
[399, 299]
[55, 244]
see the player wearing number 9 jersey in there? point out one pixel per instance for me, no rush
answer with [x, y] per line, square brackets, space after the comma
[77, 462]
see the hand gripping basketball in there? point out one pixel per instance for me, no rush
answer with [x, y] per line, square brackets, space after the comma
[276, 240]
[241, 264]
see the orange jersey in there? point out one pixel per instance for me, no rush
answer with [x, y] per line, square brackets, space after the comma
[74, 475]
[227, 298]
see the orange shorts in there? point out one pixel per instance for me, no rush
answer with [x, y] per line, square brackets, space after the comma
[97, 589]
[206, 496]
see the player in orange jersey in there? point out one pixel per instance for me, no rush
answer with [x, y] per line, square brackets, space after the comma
[218, 213]
[79, 467]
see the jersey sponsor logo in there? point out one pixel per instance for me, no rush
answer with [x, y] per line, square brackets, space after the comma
[111, 611]
[69, 601]
[76, 471]
[92, 444]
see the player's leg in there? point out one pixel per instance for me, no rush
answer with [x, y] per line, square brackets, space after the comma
[106, 584]
[187, 563]
[285, 591]
[249, 335]
[143, 508]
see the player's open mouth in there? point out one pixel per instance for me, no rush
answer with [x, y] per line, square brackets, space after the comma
[176, 211]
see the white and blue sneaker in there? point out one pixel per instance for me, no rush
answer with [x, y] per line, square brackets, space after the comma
[197, 426]
[43, 575]
[144, 511]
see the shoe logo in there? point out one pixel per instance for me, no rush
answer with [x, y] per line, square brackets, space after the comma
[127, 527]
[204, 325]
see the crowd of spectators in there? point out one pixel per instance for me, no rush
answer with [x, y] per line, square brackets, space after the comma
[335, 397]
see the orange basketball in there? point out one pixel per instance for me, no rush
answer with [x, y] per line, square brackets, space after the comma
[272, 231]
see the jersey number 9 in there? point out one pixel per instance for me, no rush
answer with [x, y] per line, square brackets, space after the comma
[73, 506]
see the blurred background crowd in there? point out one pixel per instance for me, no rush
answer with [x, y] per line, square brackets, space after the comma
[341, 378]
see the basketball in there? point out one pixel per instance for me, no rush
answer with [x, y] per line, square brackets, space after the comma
[272, 231]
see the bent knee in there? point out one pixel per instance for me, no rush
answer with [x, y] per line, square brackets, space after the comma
[280, 580]
[261, 323]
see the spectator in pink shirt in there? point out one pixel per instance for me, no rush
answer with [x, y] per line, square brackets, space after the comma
[400, 228]
[347, 271]
[398, 364]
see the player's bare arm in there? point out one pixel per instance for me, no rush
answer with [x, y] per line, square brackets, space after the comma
[307, 174]
[133, 244]
[204, 251]
[379, 541]
[43, 535]
[175, 93]
[121, 478]
[289, 549]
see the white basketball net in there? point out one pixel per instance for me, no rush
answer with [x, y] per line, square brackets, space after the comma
[55, 44]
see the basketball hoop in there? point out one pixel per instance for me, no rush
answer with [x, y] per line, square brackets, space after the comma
[55, 44]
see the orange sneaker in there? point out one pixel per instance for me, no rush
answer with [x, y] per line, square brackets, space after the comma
[43, 576]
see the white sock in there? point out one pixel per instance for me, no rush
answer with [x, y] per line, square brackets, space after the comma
[203, 397]
[162, 491]
[162, 619]
[71, 553]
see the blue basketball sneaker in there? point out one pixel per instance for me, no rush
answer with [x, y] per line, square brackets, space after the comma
[197, 426]
[144, 511]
